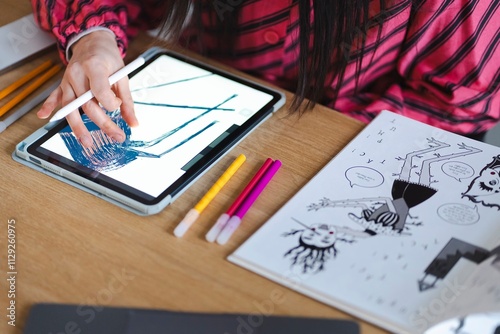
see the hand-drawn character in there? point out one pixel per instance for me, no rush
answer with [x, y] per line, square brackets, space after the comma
[448, 257]
[389, 215]
[485, 188]
[317, 244]
[379, 215]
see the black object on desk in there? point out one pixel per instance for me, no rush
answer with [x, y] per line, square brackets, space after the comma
[83, 319]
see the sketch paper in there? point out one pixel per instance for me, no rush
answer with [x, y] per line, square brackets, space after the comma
[391, 228]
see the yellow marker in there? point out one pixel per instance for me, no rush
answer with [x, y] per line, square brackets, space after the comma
[30, 89]
[194, 213]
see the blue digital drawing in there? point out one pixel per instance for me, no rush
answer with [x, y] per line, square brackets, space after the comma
[107, 155]
[171, 83]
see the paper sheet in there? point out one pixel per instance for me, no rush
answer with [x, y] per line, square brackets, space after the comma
[20, 40]
[390, 229]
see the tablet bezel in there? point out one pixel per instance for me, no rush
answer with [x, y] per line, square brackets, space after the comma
[198, 167]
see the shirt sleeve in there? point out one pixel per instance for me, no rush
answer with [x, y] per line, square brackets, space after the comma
[448, 66]
[67, 19]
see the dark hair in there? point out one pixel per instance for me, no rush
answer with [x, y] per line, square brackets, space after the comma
[339, 28]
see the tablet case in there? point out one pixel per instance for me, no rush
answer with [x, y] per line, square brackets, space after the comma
[18, 156]
[22, 157]
[57, 318]
[31, 165]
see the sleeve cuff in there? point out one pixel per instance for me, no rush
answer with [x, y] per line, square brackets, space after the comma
[77, 37]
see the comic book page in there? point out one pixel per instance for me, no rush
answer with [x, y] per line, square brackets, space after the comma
[390, 228]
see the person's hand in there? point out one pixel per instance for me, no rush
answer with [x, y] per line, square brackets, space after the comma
[95, 57]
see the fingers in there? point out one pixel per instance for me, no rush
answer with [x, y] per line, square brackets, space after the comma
[79, 129]
[127, 107]
[99, 85]
[102, 120]
[96, 78]
[74, 119]
[66, 93]
[94, 58]
[112, 97]
[96, 114]
[74, 84]
[50, 104]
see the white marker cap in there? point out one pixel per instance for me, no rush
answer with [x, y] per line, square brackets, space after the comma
[186, 223]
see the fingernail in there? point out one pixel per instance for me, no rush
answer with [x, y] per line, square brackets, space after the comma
[118, 103]
[134, 122]
[119, 137]
[85, 141]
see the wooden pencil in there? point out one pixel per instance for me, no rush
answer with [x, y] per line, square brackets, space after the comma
[44, 66]
[30, 89]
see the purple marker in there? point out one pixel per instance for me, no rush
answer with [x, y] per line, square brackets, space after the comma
[235, 220]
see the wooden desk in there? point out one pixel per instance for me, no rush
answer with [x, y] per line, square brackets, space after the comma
[72, 247]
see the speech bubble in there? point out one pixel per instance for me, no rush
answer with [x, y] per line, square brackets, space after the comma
[457, 170]
[364, 177]
[458, 214]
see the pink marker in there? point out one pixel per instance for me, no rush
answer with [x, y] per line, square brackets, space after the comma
[235, 220]
[221, 222]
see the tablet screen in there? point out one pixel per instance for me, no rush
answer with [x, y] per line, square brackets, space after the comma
[188, 114]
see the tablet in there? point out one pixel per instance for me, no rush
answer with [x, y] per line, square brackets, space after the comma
[190, 114]
[65, 318]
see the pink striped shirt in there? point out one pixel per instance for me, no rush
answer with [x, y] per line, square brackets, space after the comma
[437, 62]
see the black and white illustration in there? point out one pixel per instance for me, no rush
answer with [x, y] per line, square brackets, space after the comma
[389, 215]
[454, 251]
[381, 215]
[362, 233]
[485, 188]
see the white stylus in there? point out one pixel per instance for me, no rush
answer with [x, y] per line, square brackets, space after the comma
[87, 96]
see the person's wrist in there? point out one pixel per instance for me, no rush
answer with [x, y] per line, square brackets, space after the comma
[89, 37]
